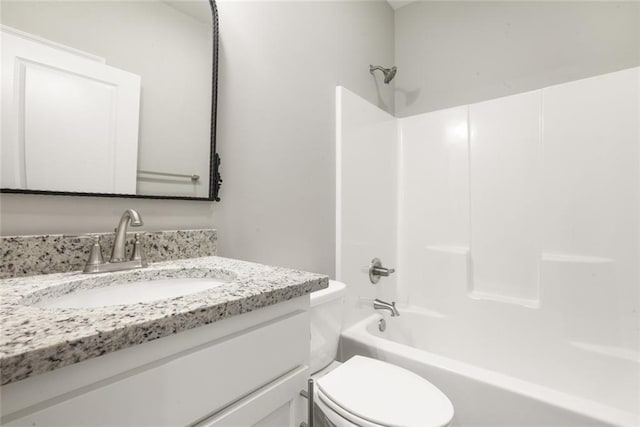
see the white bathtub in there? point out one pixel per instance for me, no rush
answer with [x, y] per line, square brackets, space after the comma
[480, 396]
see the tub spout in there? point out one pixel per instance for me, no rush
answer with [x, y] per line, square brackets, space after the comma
[383, 305]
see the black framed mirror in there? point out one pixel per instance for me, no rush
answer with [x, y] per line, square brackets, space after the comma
[110, 99]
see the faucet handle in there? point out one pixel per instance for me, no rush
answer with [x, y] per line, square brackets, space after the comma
[376, 270]
[138, 254]
[95, 256]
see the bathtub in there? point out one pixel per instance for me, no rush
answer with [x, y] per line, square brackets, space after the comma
[480, 396]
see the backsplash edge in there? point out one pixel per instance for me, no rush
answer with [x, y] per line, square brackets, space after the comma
[58, 253]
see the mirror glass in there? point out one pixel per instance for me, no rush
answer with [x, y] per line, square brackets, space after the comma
[109, 97]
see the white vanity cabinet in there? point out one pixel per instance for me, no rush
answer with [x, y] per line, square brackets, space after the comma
[246, 370]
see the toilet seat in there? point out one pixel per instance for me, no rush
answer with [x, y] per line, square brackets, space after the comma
[372, 393]
[338, 416]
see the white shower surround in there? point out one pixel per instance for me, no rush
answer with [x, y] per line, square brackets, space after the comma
[517, 219]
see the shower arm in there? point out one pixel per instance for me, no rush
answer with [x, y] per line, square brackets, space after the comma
[389, 73]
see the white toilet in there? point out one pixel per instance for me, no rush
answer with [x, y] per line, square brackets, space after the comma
[363, 391]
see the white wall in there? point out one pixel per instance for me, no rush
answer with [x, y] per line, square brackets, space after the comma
[453, 53]
[280, 64]
[36, 214]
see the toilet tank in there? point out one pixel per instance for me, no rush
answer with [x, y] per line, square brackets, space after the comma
[326, 314]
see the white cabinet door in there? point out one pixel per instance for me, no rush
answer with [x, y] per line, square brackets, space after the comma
[69, 122]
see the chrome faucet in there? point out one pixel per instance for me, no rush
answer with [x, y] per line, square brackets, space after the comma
[383, 305]
[118, 260]
[129, 216]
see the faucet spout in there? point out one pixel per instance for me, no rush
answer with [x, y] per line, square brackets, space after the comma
[129, 217]
[383, 305]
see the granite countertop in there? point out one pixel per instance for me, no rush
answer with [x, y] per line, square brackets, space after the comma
[34, 340]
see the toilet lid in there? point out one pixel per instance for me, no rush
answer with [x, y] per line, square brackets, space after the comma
[386, 394]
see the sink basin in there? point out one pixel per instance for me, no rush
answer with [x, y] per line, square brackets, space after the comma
[130, 289]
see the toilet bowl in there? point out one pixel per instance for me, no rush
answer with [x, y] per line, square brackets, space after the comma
[363, 391]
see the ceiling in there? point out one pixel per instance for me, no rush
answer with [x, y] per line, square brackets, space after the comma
[200, 10]
[397, 4]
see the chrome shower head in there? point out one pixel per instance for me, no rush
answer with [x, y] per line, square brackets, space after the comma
[389, 73]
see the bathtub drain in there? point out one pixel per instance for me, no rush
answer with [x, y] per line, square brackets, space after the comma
[382, 325]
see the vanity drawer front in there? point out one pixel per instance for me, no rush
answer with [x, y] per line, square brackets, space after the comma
[189, 386]
[276, 401]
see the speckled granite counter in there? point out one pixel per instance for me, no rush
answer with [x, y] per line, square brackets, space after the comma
[35, 340]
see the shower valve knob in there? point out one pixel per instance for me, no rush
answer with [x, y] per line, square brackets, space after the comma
[376, 270]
